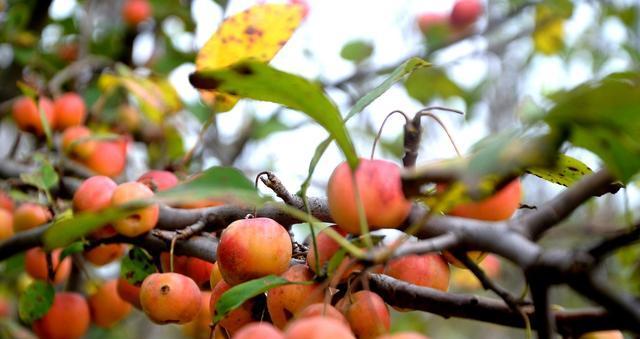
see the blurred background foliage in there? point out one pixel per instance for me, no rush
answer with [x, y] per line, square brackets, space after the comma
[501, 71]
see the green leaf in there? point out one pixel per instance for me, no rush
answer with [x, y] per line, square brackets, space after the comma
[256, 80]
[425, 85]
[263, 129]
[44, 178]
[237, 295]
[64, 232]
[602, 116]
[136, 266]
[35, 301]
[407, 67]
[356, 51]
[566, 171]
[75, 247]
[224, 183]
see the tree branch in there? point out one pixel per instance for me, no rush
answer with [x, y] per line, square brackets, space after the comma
[405, 295]
[534, 224]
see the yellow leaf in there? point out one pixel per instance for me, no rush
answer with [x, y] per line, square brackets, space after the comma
[155, 96]
[548, 36]
[256, 33]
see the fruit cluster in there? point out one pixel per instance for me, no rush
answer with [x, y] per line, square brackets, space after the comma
[67, 114]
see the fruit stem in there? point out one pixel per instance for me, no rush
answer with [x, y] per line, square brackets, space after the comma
[375, 141]
[362, 217]
[173, 245]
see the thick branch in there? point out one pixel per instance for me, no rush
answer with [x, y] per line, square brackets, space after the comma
[550, 214]
[405, 295]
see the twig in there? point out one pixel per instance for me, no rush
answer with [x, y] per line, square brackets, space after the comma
[605, 247]
[274, 183]
[489, 284]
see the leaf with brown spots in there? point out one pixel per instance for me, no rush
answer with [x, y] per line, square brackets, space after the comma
[566, 171]
[35, 301]
[257, 33]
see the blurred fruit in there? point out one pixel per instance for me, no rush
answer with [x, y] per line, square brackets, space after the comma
[76, 143]
[6, 224]
[107, 307]
[35, 264]
[70, 110]
[142, 220]
[465, 13]
[215, 276]
[199, 328]
[323, 310]
[129, 293]
[108, 158]
[5, 201]
[26, 114]
[30, 215]
[499, 206]
[105, 253]
[159, 180]
[430, 21]
[136, 11]
[318, 328]
[68, 318]
[614, 334]
[259, 331]
[427, 270]
[94, 194]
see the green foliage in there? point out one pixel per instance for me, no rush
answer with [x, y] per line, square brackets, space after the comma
[259, 81]
[356, 51]
[64, 232]
[427, 84]
[44, 178]
[76, 247]
[263, 129]
[602, 116]
[237, 295]
[35, 301]
[136, 266]
[224, 183]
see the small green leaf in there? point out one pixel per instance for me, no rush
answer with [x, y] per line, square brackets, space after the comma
[44, 178]
[427, 84]
[566, 171]
[407, 67]
[602, 116]
[75, 247]
[35, 301]
[256, 80]
[224, 183]
[237, 295]
[27, 90]
[136, 266]
[263, 129]
[64, 232]
[356, 51]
